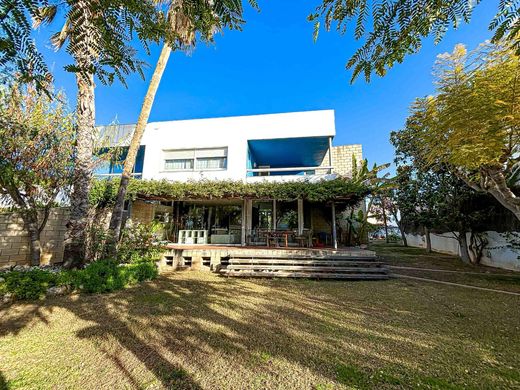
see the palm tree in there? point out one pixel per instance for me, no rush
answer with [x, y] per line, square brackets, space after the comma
[96, 34]
[185, 18]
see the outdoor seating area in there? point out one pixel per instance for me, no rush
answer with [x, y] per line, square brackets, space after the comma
[258, 223]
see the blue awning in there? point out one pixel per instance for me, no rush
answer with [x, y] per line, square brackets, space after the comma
[288, 152]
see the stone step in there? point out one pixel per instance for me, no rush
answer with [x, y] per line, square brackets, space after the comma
[307, 256]
[305, 262]
[332, 269]
[306, 275]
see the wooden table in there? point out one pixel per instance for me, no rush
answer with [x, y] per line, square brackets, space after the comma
[280, 233]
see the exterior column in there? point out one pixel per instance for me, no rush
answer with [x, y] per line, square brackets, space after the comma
[244, 222]
[330, 155]
[334, 232]
[249, 219]
[300, 217]
[274, 214]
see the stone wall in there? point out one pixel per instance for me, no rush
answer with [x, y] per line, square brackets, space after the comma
[142, 212]
[342, 158]
[14, 241]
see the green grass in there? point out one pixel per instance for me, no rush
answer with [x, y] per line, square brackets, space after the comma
[194, 330]
[479, 276]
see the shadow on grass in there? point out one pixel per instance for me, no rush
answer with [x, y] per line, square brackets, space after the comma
[173, 325]
[3, 382]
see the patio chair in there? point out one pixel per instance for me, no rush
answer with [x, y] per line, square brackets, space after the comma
[304, 239]
[272, 238]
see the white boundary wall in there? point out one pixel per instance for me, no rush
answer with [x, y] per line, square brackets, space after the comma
[500, 257]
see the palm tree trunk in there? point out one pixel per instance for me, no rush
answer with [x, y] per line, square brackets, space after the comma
[75, 239]
[117, 213]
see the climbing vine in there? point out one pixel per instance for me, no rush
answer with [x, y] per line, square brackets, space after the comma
[103, 192]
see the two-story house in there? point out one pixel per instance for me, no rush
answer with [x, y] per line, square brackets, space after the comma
[272, 148]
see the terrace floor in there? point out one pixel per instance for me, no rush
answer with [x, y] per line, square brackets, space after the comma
[196, 330]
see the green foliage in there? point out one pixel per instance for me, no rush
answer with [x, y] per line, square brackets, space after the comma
[17, 48]
[108, 275]
[471, 126]
[138, 243]
[100, 276]
[141, 271]
[394, 29]
[30, 284]
[103, 192]
[475, 112]
[37, 133]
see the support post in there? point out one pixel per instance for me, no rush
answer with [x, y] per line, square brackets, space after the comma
[330, 155]
[300, 217]
[274, 214]
[334, 229]
[244, 222]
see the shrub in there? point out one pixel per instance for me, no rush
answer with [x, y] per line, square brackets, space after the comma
[31, 284]
[107, 275]
[100, 276]
[138, 243]
[142, 271]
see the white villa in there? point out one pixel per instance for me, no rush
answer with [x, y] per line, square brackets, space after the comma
[296, 146]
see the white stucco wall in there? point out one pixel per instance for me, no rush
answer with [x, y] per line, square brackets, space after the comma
[233, 133]
[496, 254]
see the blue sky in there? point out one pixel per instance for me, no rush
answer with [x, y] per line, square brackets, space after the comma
[273, 65]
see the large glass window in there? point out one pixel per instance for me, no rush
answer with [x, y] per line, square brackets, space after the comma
[195, 159]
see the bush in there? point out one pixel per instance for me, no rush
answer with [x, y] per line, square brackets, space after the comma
[138, 243]
[31, 284]
[142, 271]
[107, 275]
[100, 276]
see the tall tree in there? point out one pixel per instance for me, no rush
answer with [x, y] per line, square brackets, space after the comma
[185, 19]
[36, 157]
[472, 124]
[97, 34]
[393, 29]
[433, 198]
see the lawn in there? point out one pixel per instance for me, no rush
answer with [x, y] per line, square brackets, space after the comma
[194, 330]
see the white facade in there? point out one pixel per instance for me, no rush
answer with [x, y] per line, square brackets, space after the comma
[233, 134]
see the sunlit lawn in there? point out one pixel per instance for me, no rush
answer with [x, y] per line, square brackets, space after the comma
[191, 330]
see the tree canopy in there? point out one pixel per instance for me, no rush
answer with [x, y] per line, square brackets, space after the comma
[393, 29]
[471, 125]
[36, 157]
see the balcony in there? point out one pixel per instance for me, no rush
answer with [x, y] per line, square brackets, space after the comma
[288, 158]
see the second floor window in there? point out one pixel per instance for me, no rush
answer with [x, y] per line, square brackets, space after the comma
[177, 164]
[211, 163]
[195, 159]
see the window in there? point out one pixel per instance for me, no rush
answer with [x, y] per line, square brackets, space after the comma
[195, 159]
[178, 164]
[211, 163]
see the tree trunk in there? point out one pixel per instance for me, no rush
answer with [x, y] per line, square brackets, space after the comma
[403, 235]
[30, 218]
[34, 244]
[79, 203]
[117, 213]
[385, 223]
[463, 244]
[495, 184]
[428, 240]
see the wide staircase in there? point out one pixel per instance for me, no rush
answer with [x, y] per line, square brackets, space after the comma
[330, 266]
